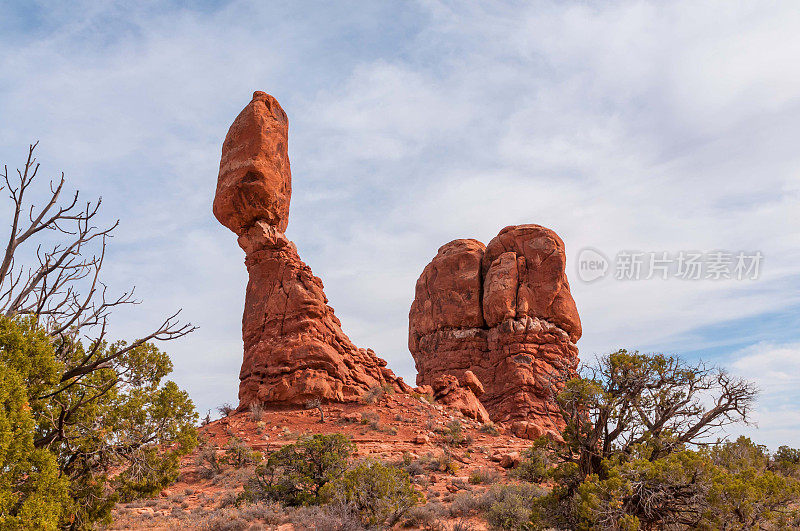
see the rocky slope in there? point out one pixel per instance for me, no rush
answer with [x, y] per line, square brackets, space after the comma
[452, 470]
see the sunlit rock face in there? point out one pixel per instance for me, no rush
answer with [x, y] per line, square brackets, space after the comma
[294, 346]
[504, 312]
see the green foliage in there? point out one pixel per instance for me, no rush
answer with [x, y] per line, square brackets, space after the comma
[725, 487]
[295, 474]
[786, 461]
[512, 506]
[376, 393]
[629, 400]
[641, 491]
[490, 428]
[535, 466]
[454, 434]
[238, 454]
[443, 462]
[380, 494]
[744, 490]
[159, 429]
[120, 416]
[29, 351]
[629, 458]
[208, 463]
[484, 476]
[32, 495]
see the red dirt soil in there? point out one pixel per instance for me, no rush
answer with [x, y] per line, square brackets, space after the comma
[397, 424]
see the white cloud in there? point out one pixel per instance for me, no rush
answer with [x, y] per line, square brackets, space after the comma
[775, 368]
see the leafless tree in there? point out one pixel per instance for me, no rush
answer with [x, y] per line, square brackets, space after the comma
[61, 289]
[316, 403]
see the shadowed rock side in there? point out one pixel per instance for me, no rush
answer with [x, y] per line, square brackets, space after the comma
[505, 313]
[294, 347]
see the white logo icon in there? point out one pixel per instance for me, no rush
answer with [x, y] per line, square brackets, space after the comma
[592, 264]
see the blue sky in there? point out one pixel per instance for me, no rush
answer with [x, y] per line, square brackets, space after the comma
[650, 126]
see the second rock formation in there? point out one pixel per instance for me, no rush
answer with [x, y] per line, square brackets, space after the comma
[504, 312]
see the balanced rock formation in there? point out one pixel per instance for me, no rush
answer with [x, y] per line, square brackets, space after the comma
[294, 346]
[504, 314]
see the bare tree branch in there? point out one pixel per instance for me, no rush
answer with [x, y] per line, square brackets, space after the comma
[61, 288]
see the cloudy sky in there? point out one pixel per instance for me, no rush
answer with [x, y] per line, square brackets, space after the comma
[635, 126]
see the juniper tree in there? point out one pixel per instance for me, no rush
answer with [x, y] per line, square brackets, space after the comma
[94, 403]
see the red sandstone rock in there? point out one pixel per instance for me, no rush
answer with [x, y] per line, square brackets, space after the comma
[530, 430]
[470, 381]
[541, 281]
[523, 341]
[355, 418]
[448, 292]
[449, 391]
[255, 181]
[510, 460]
[398, 384]
[424, 390]
[500, 289]
[294, 347]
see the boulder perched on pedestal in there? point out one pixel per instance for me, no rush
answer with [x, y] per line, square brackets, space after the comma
[294, 346]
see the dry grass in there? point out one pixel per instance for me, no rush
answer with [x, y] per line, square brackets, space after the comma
[228, 518]
[485, 476]
[256, 412]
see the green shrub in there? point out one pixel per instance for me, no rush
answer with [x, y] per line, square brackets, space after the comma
[727, 486]
[786, 461]
[511, 506]
[208, 463]
[746, 492]
[32, 494]
[484, 476]
[238, 454]
[330, 517]
[371, 419]
[535, 466]
[414, 467]
[443, 462]
[119, 417]
[380, 494]
[454, 434]
[465, 503]
[295, 474]
[426, 516]
[376, 393]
